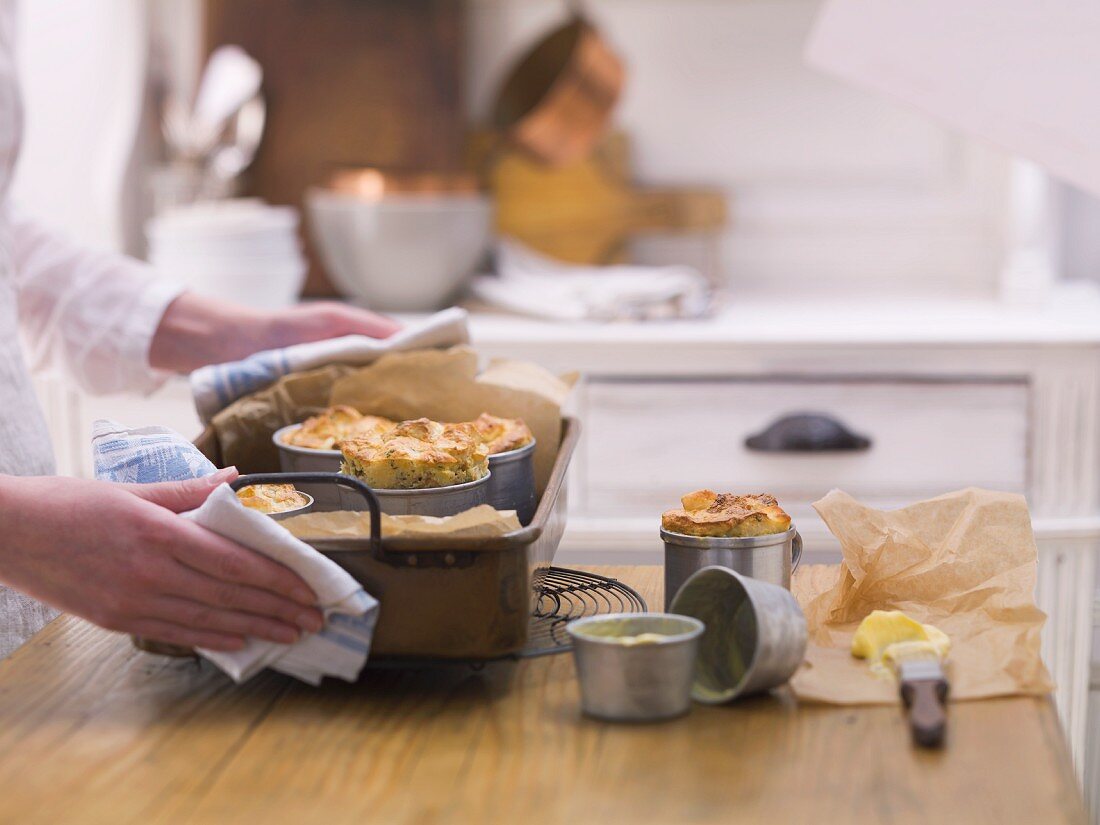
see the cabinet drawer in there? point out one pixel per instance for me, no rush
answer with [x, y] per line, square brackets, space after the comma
[648, 442]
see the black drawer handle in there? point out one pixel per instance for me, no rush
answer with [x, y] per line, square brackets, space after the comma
[807, 433]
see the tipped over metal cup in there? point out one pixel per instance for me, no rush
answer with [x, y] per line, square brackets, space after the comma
[635, 667]
[755, 636]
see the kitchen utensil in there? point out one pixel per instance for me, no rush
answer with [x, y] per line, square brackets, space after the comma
[557, 100]
[294, 459]
[772, 558]
[639, 682]
[231, 159]
[512, 482]
[400, 253]
[755, 634]
[587, 211]
[231, 79]
[175, 126]
[371, 183]
[923, 689]
[297, 511]
[431, 501]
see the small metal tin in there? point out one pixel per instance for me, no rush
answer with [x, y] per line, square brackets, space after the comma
[771, 558]
[297, 511]
[755, 636]
[294, 459]
[513, 482]
[635, 683]
[432, 501]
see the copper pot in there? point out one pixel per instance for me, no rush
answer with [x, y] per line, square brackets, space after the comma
[556, 102]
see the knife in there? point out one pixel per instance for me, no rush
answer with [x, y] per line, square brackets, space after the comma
[923, 687]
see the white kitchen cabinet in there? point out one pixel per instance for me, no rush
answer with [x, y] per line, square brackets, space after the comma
[925, 437]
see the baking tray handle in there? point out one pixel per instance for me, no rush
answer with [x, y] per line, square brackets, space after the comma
[325, 478]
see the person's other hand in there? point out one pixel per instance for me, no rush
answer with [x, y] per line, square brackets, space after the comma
[325, 319]
[196, 331]
[119, 556]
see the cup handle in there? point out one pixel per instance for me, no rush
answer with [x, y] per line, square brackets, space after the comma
[796, 551]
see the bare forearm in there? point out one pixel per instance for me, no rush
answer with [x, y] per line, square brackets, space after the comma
[196, 331]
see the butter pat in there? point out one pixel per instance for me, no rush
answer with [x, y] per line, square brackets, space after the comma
[641, 639]
[885, 628]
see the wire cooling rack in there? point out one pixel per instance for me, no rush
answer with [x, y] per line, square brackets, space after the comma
[565, 595]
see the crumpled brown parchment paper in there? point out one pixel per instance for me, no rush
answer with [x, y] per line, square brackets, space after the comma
[965, 562]
[445, 385]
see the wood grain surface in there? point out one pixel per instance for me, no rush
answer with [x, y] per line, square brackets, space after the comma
[93, 731]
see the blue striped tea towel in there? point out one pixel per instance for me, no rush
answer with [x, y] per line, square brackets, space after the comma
[216, 387]
[150, 454]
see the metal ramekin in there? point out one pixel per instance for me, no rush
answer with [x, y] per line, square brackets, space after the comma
[429, 501]
[636, 683]
[434, 501]
[770, 558]
[297, 511]
[755, 634]
[293, 459]
[513, 482]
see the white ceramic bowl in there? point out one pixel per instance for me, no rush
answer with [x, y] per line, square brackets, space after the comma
[240, 250]
[401, 253]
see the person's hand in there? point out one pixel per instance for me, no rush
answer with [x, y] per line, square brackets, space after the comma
[196, 331]
[119, 556]
[325, 319]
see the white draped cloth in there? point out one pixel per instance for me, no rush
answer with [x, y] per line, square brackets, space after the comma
[96, 312]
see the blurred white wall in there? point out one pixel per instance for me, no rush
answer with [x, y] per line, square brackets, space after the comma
[82, 65]
[1080, 214]
[831, 188]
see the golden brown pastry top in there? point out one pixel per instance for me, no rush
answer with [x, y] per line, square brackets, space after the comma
[272, 498]
[326, 430]
[500, 435]
[420, 440]
[418, 453]
[706, 513]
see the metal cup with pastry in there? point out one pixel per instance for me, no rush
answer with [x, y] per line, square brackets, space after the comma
[747, 533]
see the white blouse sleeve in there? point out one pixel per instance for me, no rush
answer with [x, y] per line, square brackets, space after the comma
[97, 311]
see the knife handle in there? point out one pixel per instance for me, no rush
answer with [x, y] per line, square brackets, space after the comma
[925, 699]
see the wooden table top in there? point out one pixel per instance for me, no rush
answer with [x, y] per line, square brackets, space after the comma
[94, 731]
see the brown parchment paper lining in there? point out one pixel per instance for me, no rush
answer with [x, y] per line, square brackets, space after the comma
[477, 522]
[441, 384]
[965, 562]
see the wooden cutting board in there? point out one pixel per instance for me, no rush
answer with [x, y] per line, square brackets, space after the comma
[586, 212]
[348, 83]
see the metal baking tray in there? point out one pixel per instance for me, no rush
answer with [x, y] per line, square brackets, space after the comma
[454, 598]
